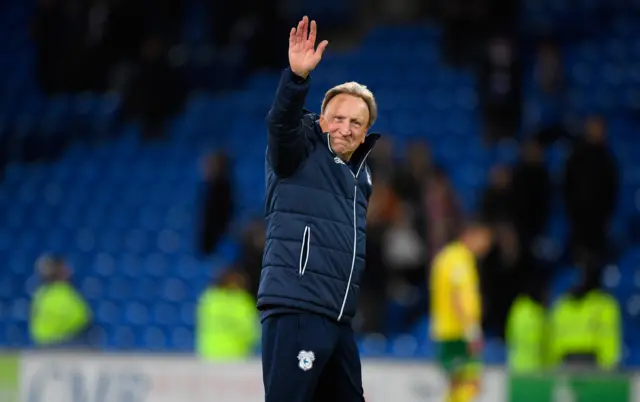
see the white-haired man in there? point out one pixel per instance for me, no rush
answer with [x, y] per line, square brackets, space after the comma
[318, 188]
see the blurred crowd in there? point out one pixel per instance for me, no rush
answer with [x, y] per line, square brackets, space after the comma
[138, 49]
[114, 45]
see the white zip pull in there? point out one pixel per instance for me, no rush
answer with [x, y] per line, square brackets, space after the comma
[306, 242]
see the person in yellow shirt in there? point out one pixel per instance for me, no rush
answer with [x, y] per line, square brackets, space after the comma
[228, 327]
[456, 310]
[59, 314]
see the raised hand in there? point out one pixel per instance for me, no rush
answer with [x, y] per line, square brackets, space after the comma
[303, 54]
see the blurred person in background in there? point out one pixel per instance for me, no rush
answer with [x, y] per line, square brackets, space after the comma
[412, 176]
[405, 249]
[382, 161]
[59, 314]
[531, 192]
[505, 261]
[443, 214]
[496, 204]
[405, 253]
[155, 93]
[549, 68]
[411, 183]
[251, 251]
[456, 310]
[527, 327]
[586, 329]
[550, 89]
[590, 190]
[383, 206]
[500, 89]
[218, 202]
[228, 326]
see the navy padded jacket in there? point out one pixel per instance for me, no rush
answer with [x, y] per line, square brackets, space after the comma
[315, 210]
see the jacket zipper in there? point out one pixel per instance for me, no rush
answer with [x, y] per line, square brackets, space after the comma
[305, 249]
[355, 232]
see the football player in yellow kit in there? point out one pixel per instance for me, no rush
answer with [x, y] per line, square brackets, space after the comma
[456, 310]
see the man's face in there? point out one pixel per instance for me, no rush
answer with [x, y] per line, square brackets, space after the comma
[345, 118]
[483, 240]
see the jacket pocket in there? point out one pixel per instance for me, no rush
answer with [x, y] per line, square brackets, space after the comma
[305, 249]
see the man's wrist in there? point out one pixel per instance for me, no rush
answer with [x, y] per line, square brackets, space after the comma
[298, 76]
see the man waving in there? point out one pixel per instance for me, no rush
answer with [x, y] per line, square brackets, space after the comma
[318, 188]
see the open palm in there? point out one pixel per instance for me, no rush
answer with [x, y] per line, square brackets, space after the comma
[303, 54]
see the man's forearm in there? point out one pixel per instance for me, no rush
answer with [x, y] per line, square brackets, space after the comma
[287, 109]
[471, 326]
[286, 139]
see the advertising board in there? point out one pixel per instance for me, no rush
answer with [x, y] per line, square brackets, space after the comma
[9, 378]
[97, 378]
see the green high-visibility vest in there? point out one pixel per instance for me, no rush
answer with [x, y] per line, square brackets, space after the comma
[58, 313]
[526, 328]
[228, 326]
[590, 325]
[607, 330]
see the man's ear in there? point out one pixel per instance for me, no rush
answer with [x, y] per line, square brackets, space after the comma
[323, 122]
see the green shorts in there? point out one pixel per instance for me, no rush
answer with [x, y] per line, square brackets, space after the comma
[454, 357]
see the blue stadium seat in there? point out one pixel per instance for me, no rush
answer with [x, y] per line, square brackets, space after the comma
[122, 338]
[137, 314]
[108, 313]
[374, 345]
[182, 339]
[405, 345]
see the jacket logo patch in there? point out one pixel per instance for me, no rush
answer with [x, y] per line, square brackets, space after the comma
[305, 360]
[338, 160]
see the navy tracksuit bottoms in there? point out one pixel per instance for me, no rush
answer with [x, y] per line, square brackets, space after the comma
[307, 357]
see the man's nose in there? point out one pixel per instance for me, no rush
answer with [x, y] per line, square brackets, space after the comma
[345, 130]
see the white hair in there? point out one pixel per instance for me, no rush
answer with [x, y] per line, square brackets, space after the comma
[357, 90]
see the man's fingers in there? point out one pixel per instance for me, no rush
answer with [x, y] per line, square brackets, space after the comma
[312, 33]
[321, 47]
[305, 28]
[300, 33]
[292, 37]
